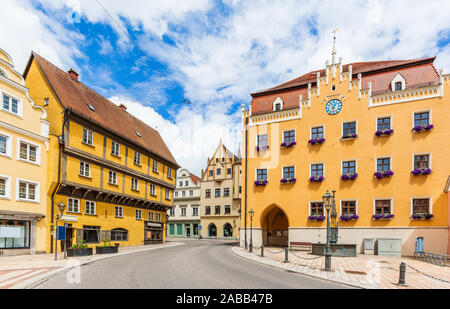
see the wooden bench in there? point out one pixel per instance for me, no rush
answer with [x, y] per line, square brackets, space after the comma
[302, 245]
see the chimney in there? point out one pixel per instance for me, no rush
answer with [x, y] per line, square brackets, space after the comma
[73, 74]
[123, 107]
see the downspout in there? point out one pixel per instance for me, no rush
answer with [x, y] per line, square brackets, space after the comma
[246, 168]
[61, 140]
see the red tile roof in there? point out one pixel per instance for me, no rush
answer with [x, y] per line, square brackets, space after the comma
[76, 96]
[194, 178]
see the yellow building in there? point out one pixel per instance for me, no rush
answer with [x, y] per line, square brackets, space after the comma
[376, 132]
[114, 173]
[23, 165]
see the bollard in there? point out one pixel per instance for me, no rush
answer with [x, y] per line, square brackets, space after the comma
[262, 250]
[286, 252]
[401, 279]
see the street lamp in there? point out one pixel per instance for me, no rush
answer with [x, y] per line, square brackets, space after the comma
[327, 203]
[61, 207]
[251, 214]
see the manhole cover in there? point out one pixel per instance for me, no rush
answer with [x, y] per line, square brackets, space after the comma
[356, 272]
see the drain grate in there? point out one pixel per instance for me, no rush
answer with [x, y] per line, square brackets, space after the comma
[356, 272]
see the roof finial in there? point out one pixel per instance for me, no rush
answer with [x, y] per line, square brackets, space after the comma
[333, 53]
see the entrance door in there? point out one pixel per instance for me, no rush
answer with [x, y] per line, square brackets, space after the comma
[69, 235]
[188, 231]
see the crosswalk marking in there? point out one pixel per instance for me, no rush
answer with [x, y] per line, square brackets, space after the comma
[17, 276]
[14, 274]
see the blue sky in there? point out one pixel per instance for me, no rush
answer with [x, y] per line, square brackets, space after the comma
[151, 55]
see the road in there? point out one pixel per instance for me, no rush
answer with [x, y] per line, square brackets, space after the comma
[198, 264]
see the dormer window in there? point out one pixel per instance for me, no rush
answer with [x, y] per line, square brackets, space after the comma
[398, 86]
[277, 107]
[277, 104]
[398, 83]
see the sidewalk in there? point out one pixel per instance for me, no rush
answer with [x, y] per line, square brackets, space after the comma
[364, 271]
[23, 271]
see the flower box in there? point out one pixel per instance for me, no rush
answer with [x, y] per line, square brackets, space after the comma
[420, 128]
[288, 144]
[316, 178]
[261, 148]
[421, 171]
[316, 218]
[79, 252]
[348, 217]
[384, 132]
[314, 141]
[382, 216]
[288, 180]
[422, 216]
[351, 176]
[106, 249]
[350, 136]
[382, 174]
[261, 182]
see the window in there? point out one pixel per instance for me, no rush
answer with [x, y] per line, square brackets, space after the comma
[217, 210]
[10, 104]
[155, 166]
[383, 164]
[115, 149]
[207, 210]
[317, 170]
[349, 129]
[183, 193]
[218, 171]
[191, 192]
[169, 172]
[112, 178]
[195, 211]
[88, 137]
[137, 158]
[316, 208]
[421, 161]
[421, 206]
[91, 234]
[158, 217]
[317, 132]
[20, 237]
[348, 167]
[181, 183]
[152, 189]
[151, 217]
[333, 87]
[261, 174]
[211, 173]
[186, 183]
[118, 211]
[348, 207]
[138, 214]
[398, 86]
[288, 172]
[383, 123]
[175, 193]
[5, 187]
[28, 152]
[289, 136]
[217, 192]
[228, 171]
[119, 235]
[263, 140]
[227, 209]
[5, 145]
[226, 192]
[90, 208]
[382, 206]
[28, 191]
[277, 107]
[183, 211]
[2, 187]
[85, 169]
[179, 229]
[207, 193]
[2, 73]
[73, 205]
[422, 118]
[167, 196]
[134, 184]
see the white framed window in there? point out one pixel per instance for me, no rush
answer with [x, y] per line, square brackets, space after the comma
[152, 189]
[349, 207]
[421, 160]
[88, 137]
[350, 129]
[195, 211]
[5, 145]
[5, 187]
[151, 217]
[137, 158]
[155, 166]
[158, 217]
[73, 205]
[383, 205]
[169, 172]
[115, 149]
[421, 205]
[112, 177]
[118, 211]
[85, 169]
[90, 208]
[138, 214]
[27, 191]
[134, 184]
[29, 152]
[11, 104]
[183, 211]
[167, 194]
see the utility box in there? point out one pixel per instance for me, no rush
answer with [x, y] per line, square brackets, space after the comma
[388, 246]
[369, 246]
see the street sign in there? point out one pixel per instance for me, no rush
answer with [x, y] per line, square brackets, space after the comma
[199, 227]
[61, 232]
[69, 218]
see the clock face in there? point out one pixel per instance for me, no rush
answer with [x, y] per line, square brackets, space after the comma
[333, 107]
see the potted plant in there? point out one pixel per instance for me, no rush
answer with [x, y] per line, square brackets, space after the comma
[384, 132]
[261, 148]
[314, 141]
[382, 174]
[421, 171]
[288, 144]
[79, 249]
[422, 216]
[382, 216]
[288, 180]
[348, 217]
[316, 178]
[353, 135]
[261, 182]
[422, 127]
[316, 218]
[349, 176]
[106, 248]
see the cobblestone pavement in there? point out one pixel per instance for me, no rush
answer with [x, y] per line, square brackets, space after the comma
[365, 271]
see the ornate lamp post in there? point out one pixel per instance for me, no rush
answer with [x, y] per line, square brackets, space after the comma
[61, 207]
[251, 214]
[327, 203]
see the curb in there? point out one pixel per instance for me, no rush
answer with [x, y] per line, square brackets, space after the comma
[35, 281]
[235, 250]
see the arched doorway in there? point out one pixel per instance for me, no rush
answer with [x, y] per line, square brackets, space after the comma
[275, 227]
[227, 230]
[212, 230]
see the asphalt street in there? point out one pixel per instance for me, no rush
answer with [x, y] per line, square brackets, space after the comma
[198, 264]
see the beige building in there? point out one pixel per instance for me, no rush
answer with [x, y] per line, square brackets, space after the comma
[220, 191]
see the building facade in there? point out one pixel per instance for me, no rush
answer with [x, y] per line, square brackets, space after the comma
[114, 173]
[376, 132]
[220, 195]
[184, 217]
[24, 145]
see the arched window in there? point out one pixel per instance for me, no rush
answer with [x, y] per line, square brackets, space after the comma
[227, 230]
[212, 230]
[119, 234]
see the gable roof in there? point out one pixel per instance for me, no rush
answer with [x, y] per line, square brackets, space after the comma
[194, 178]
[77, 97]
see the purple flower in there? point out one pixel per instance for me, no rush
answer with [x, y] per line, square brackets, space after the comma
[316, 217]
[378, 175]
[257, 148]
[388, 216]
[389, 132]
[429, 216]
[421, 171]
[312, 141]
[415, 171]
[290, 144]
[378, 133]
[321, 140]
[417, 128]
[429, 127]
[345, 177]
[283, 180]
[348, 217]
[283, 144]
[293, 180]
[353, 176]
[388, 173]
[426, 171]
[261, 182]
